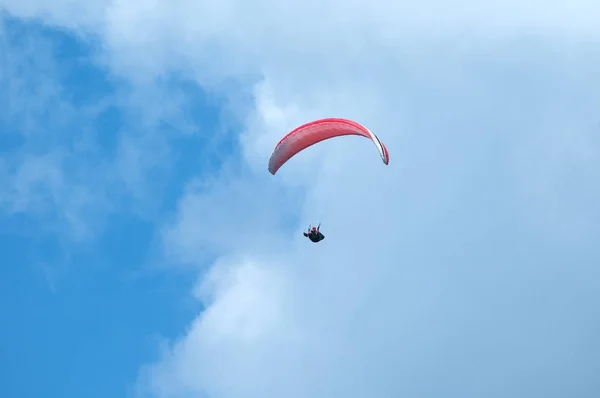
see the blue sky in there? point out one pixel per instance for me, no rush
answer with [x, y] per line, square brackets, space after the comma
[80, 316]
[148, 253]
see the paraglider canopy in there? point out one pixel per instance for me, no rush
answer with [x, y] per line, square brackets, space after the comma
[316, 131]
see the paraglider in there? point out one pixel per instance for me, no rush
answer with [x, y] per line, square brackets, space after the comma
[312, 133]
[314, 234]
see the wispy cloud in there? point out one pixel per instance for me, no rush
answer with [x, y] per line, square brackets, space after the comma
[38, 119]
[59, 159]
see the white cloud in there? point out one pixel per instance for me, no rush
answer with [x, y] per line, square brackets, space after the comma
[477, 275]
[465, 282]
[456, 292]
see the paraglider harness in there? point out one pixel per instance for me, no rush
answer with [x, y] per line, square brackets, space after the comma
[314, 234]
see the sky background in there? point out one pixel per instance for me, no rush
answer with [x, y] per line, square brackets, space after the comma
[146, 252]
